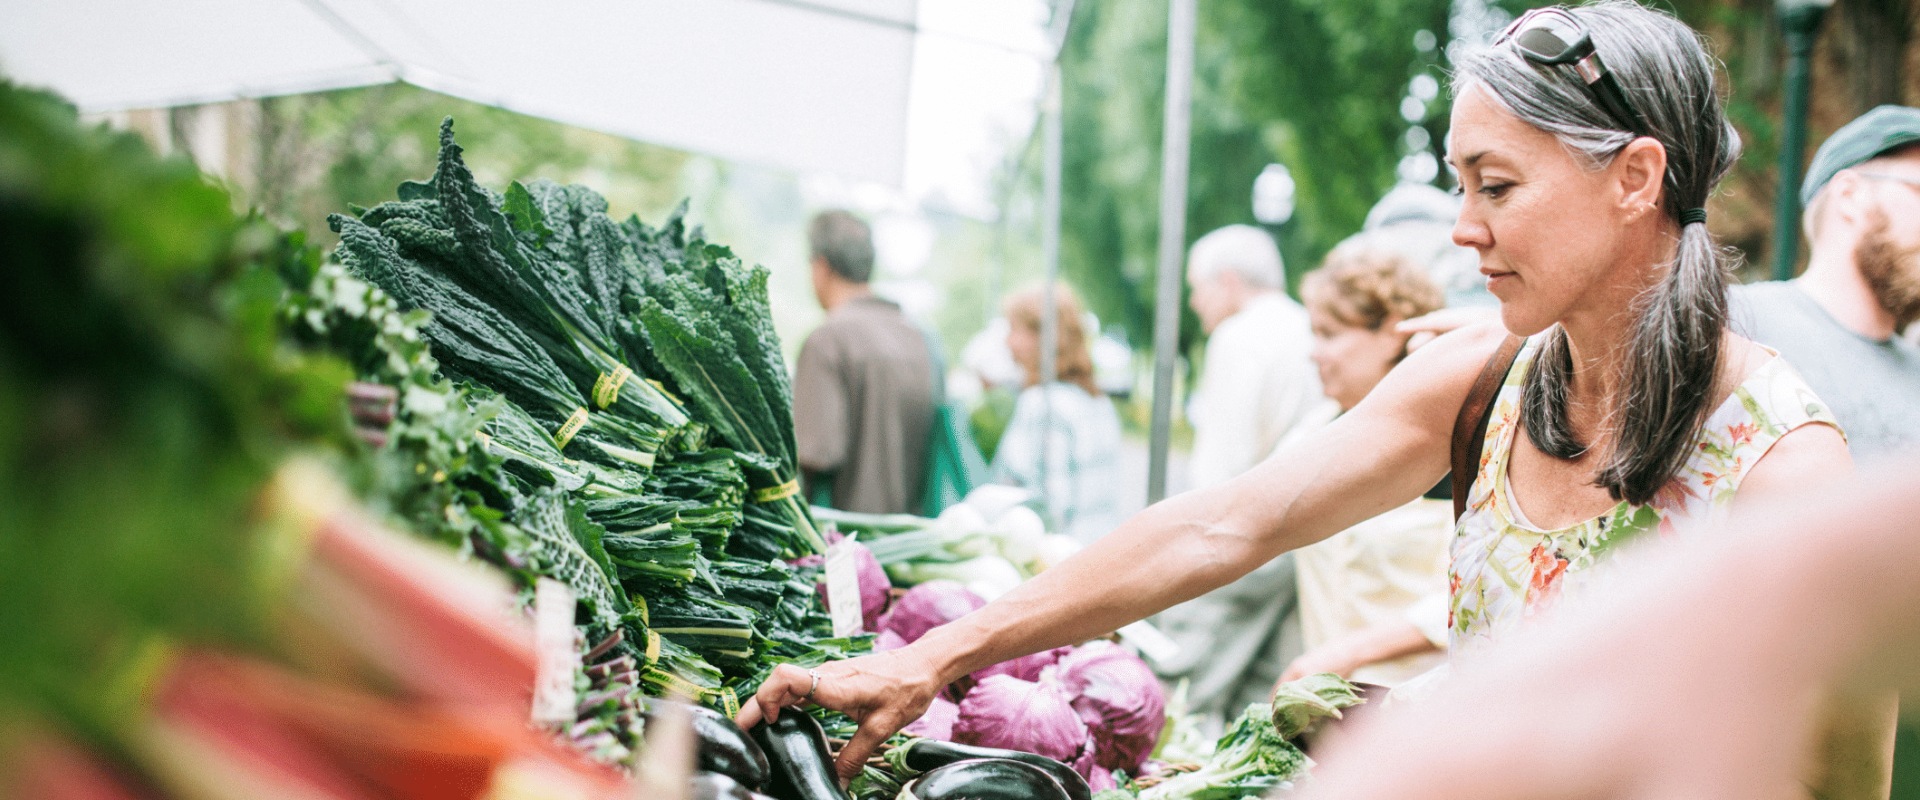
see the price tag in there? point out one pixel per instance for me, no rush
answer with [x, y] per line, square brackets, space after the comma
[843, 589]
[556, 651]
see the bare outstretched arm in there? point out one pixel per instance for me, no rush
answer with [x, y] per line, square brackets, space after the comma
[1384, 452]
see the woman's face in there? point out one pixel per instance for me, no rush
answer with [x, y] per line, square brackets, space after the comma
[1024, 342]
[1548, 230]
[1352, 359]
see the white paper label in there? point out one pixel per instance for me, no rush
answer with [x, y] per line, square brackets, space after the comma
[1153, 644]
[558, 656]
[843, 589]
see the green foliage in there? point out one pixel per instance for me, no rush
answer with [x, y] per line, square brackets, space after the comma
[1250, 760]
[1313, 84]
[323, 152]
[1300, 704]
[144, 395]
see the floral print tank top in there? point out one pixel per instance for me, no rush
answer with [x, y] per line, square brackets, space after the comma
[1504, 569]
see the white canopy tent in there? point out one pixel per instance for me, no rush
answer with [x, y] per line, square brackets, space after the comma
[804, 85]
[812, 86]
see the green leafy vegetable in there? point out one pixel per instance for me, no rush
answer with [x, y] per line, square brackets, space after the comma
[1250, 760]
[1300, 704]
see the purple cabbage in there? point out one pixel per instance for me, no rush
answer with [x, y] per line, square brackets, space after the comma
[938, 722]
[928, 606]
[1012, 714]
[1118, 698]
[1098, 778]
[1026, 668]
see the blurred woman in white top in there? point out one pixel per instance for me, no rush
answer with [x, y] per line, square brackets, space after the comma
[1372, 597]
[1063, 442]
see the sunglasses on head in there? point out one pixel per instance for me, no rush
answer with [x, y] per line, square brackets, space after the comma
[1553, 37]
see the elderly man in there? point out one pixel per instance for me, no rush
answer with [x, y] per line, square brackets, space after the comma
[863, 392]
[1838, 323]
[1258, 382]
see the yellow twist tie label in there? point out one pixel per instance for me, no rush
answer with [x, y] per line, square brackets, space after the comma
[571, 429]
[730, 702]
[678, 685]
[606, 390]
[641, 602]
[653, 648]
[663, 390]
[777, 493]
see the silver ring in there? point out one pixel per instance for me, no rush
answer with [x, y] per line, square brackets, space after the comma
[815, 687]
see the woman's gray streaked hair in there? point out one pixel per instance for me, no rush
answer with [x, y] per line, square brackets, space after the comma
[1667, 387]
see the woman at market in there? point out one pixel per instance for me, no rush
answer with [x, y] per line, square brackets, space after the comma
[1630, 409]
[1063, 441]
[1372, 597]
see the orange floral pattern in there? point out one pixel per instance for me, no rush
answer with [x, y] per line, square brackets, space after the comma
[1504, 570]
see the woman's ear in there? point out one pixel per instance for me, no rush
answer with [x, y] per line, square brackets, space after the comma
[1641, 172]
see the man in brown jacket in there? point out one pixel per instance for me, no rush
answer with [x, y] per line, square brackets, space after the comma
[863, 393]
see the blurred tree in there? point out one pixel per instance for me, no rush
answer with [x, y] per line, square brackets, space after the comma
[1314, 84]
[1860, 62]
[314, 154]
[1318, 85]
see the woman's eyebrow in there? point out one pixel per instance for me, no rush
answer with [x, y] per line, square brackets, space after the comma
[1472, 159]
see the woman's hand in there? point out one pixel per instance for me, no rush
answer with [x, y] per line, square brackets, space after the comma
[1382, 642]
[884, 692]
[1327, 658]
[1426, 328]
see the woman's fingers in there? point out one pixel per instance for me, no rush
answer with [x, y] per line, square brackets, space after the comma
[1293, 673]
[788, 685]
[873, 730]
[1448, 319]
[883, 692]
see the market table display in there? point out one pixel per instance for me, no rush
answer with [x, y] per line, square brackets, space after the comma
[451, 513]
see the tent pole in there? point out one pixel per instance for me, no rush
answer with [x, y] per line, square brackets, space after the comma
[1050, 255]
[1173, 233]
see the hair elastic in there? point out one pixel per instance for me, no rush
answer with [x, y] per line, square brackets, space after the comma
[1693, 215]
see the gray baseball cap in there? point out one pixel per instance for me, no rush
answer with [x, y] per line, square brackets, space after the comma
[1872, 134]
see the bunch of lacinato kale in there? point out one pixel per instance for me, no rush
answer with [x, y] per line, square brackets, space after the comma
[600, 402]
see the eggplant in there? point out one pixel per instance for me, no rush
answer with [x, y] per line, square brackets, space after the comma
[796, 749]
[716, 786]
[925, 755]
[985, 779]
[722, 746]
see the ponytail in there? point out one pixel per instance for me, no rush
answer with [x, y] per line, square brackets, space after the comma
[1666, 387]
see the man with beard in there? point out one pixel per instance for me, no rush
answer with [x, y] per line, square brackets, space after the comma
[1839, 322]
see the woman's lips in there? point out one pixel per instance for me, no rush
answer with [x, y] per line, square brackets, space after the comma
[1496, 277]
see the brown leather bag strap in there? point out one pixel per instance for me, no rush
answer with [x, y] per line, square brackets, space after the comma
[1470, 428]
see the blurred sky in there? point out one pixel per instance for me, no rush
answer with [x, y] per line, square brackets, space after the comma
[978, 72]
